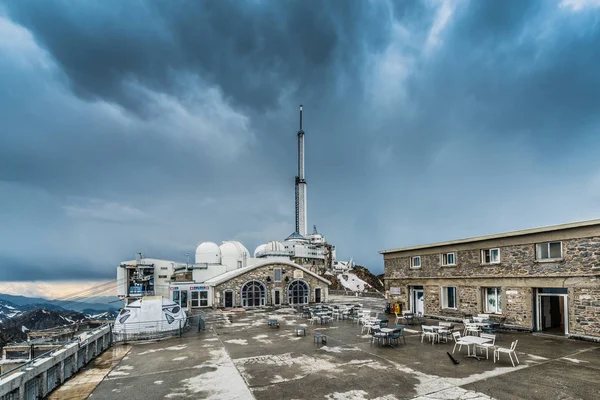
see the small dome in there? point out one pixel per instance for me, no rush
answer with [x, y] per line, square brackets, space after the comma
[233, 249]
[208, 253]
[274, 246]
[259, 249]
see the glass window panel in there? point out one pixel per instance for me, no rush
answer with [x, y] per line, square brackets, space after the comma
[277, 274]
[451, 258]
[555, 249]
[542, 251]
[176, 296]
[499, 296]
[494, 255]
[451, 297]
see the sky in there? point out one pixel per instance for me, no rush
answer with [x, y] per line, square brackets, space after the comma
[147, 126]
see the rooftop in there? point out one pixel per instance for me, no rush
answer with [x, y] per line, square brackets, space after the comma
[239, 357]
[544, 229]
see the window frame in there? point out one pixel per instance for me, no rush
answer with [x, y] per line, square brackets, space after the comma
[483, 258]
[498, 291]
[547, 259]
[447, 264]
[444, 298]
[412, 262]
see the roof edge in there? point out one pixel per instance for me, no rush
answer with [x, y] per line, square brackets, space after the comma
[522, 232]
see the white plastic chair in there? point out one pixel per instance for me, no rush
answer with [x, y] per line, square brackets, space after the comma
[486, 346]
[510, 352]
[458, 341]
[429, 332]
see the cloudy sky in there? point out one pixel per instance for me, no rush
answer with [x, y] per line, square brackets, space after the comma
[154, 125]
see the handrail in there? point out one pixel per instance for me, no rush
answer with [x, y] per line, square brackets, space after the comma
[27, 363]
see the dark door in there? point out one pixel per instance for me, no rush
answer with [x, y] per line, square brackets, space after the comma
[228, 299]
[317, 295]
[277, 298]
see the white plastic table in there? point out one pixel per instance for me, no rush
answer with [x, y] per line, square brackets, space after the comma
[473, 340]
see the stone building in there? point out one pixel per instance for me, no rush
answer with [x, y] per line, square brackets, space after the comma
[265, 283]
[542, 279]
[272, 283]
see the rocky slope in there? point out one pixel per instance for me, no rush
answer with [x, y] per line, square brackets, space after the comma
[15, 329]
[373, 282]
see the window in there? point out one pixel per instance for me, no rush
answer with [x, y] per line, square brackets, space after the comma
[176, 296]
[163, 268]
[490, 256]
[493, 300]
[253, 294]
[448, 259]
[548, 250]
[298, 292]
[203, 298]
[449, 297]
[277, 274]
[162, 276]
[415, 262]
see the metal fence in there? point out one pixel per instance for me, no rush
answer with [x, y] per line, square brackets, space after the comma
[157, 329]
[359, 294]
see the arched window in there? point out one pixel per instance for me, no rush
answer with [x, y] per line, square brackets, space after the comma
[298, 293]
[254, 294]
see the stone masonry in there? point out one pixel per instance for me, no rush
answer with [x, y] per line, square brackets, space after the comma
[266, 271]
[517, 275]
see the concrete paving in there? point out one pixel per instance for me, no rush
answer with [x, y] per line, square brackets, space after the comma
[240, 357]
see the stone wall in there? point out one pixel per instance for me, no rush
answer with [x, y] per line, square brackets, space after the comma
[580, 257]
[585, 311]
[261, 274]
[431, 299]
[468, 299]
[517, 306]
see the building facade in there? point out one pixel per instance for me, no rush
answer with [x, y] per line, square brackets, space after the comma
[543, 279]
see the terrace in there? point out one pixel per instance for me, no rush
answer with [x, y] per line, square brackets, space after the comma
[240, 356]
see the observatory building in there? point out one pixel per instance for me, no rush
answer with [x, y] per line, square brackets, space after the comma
[228, 275]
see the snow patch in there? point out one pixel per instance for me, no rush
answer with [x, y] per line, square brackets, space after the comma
[180, 358]
[574, 360]
[242, 342]
[158, 382]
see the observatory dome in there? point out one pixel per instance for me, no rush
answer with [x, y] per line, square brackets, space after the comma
[259, 249]
[208, 253]
[233, 249]
[274, 246]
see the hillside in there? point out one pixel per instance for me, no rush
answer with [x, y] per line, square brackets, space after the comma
[15, 329]
[358, 278]
[102, 303]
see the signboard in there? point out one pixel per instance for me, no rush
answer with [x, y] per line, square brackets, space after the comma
[298, 274]
[198, 287]
[395, 290]
[174, 288]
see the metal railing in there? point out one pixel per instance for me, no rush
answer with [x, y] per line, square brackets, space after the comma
[156, 329]
[360, 294]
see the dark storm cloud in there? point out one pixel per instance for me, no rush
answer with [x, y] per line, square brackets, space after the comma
[149, 126]
[252, 50]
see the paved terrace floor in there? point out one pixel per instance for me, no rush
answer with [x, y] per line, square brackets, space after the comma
[240, 357]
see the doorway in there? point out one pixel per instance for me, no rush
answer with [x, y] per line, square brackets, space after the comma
[417, 300]
[277, 297]
[317, 295]
[228, 299]
[184, 298]
[551, 310]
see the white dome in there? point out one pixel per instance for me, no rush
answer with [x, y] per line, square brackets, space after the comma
[274, 246]
[208, 253]
[259, 249]
[233, 249]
